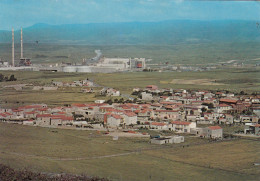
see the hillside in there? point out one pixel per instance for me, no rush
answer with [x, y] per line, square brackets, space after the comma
[140, 33]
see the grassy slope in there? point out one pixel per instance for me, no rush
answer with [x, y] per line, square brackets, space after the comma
[219, 161]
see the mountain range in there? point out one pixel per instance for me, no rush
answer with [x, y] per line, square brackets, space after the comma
[140, 33]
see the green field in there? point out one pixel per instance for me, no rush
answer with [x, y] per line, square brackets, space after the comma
[183, 53]
[71, 151]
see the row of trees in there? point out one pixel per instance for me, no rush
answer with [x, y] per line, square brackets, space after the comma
[5, 78]
[110, 101]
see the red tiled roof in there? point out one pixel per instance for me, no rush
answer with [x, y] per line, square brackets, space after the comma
[116, 116]
[168, 103]
[61, 113]
[78, 105]
[62, 117]
[153, 87]
[223, 105]
[158, 124]
[130, 114]
[214, 127]
[228, 101]
[257, 125]
[43, 109]
[43, 115]
[3, 115]
[165, 111]
[30, 112]
[105, 117]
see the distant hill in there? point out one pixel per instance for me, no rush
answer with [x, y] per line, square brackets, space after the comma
[140, 33]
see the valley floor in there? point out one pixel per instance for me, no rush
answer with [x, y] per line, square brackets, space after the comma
[89, 152]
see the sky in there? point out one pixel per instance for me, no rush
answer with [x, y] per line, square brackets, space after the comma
[24, 13]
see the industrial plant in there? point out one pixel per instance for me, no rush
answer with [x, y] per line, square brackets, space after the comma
[97, 64]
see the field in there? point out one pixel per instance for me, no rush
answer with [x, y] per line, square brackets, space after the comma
[183, 53]
[72, 151]
[225, 79]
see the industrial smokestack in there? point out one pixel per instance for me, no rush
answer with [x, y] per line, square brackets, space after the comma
[13, 47]
[21, 42]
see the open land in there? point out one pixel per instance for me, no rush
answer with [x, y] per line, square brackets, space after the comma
[71, 151]
[235, 80]
[182, 53]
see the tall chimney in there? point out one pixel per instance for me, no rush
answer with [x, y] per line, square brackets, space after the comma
[21, 42]
[13, 47]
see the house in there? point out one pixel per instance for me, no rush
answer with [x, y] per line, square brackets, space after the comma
[159, 126]
[229, 118]
[167, 140]
[87, 83]
[223, 108]
[151, 87]
[196, 131]
[54, 120]
[109, 92]
[227, 101]
[252, 129]
[146, 96]
[214, 132]
[28, 123]
[136, 89]
[43, 120]
[114, 120]
[30, 114]
[181, 126]
[48, 88]
[248, 119]
[130, 118]
[100, 101]
[165, 114]
[5, 116]
[61, 120]
[87, 90]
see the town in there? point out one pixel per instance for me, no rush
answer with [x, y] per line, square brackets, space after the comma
[175, 110]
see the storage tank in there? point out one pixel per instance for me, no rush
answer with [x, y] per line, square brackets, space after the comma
[69, 69]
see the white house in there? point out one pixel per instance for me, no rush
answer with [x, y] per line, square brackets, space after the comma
[114, 120]
[223, 108]
[159, 126]
[130, 118]
[146, 96]
[181, 126]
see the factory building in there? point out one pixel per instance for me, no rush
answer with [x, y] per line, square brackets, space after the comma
[116, 63]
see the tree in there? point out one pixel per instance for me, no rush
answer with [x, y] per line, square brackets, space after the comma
[203, 109]
[210, 105]
[1, 77]
[121, 100]
[110, 102]
[12, 78]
